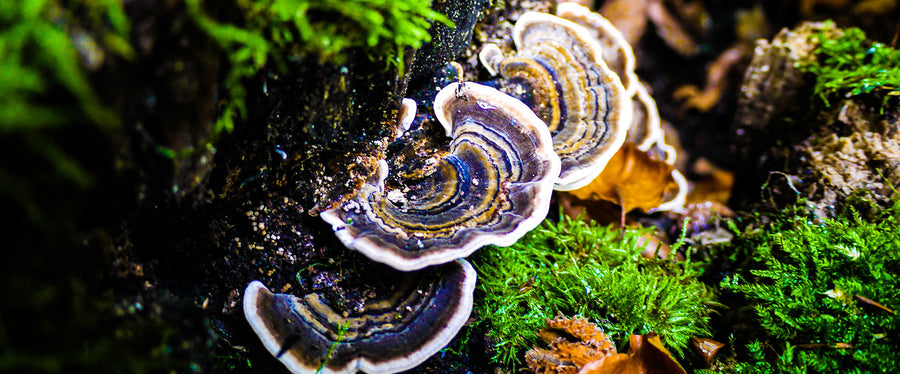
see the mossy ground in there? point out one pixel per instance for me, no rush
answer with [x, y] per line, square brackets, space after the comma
[796, 290]
[789, 286]
[799, 272]
[578, 268]
[803, 281]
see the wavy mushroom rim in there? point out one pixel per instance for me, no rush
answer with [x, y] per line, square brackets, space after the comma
[591, 43]
[576, 179]
[372, 249]
[251, 296]
[411, 360]
[574, 12]
[655, 134]
[676, 204]
[657, 137]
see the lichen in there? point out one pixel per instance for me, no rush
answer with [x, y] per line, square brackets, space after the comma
[808, 282]
[579, 268]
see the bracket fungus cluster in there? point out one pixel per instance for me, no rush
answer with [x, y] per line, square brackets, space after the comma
[391, 334]
[576, 71]
[564, 112]
[493, 186]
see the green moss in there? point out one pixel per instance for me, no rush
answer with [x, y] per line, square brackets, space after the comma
[39, 59]
[45, 90]
[271, 30]
[847, 63]
[802, 283]
[578, 268]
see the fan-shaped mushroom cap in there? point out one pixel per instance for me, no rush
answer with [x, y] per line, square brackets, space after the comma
[391, 334]
[564, 79]
[493, 186]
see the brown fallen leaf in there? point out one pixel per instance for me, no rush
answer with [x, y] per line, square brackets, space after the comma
[631, 179]
[716, 80]
[706, 348]
[573, 343]
[646, 355]
[578, 328]
[711, 183]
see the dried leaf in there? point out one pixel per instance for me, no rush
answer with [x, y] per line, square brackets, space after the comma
[573, 342]
[646, 355]
[545, 361]
[578, 328]
[716, 80]
[628, 16]
[706, 348]
[631, 179]
[711, 183]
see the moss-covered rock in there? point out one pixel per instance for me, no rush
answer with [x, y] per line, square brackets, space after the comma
[818, 118]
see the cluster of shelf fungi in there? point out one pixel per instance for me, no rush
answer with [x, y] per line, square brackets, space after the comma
[566, 101]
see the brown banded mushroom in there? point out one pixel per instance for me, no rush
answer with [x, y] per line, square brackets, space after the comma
[492, 187]
[559, 71]
[393, 333]
[645, 130]
[616, 52]
[542, 74]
